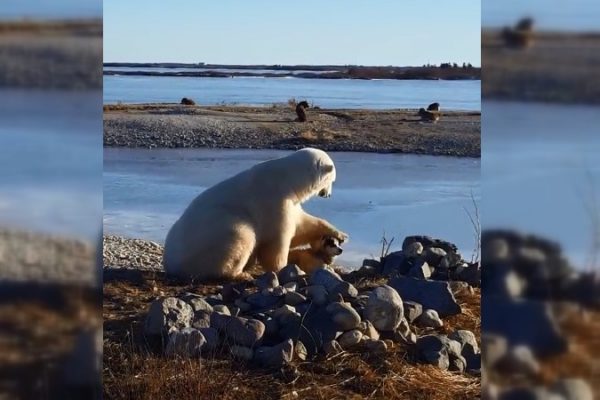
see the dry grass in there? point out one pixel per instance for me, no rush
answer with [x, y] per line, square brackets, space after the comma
[87, 27]
[134, 367]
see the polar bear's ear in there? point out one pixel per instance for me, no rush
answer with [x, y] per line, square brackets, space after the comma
[326, 168]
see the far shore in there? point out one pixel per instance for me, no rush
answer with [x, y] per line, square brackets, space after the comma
[274, 127]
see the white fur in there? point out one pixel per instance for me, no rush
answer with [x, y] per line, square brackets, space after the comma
[254, 215]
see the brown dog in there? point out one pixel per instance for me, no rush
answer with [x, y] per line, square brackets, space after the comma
[321, 252]
[301, 111]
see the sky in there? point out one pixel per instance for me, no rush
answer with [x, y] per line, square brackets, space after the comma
[400, 33]
[49, 9]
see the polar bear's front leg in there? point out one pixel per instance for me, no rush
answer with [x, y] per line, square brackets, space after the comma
[274, 256]
[310, 228]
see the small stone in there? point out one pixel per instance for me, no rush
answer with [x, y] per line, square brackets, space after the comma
[332, 347]
[283, 312]
[573, 389]
[300, 351]
[212, 338]
[414, 250]
[345, 289]
[242, 331]
[467, 340]
[290, 273]
[291, 286]
[350, 338]
[457, 364]
[268, 280]
[317, 294]
[430, 294]
[325, 277]
[201, 320]
[430, 319]
[493, 348]
[197, 302]
[242, 353]
[294, 298]
[222, 309]
[420, 269]
[433, 255]
[343, 316]
[260, 300]
[376, 346]
[384, 308]
[412, 310]
[367, 328]
[275, 356]
[168, 314]
[271, 327]
[232, 291]
[519, 360]
[186, 343]
[242, 305]
[279, 291]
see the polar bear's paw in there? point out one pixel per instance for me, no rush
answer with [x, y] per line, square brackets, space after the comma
[341, 236]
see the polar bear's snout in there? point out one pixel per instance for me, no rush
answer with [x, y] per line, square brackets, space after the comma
[325, 193]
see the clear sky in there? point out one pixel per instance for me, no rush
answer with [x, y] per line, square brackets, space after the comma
[49, 9]
[377, 32]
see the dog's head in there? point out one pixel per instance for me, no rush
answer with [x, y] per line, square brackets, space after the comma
[328, 245]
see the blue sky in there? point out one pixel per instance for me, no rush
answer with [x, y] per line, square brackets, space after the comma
[48, 9]
[293, 32]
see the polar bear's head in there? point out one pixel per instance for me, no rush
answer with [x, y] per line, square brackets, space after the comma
[314, 174]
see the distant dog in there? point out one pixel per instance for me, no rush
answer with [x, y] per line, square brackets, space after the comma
[521, 36]
[430, 116]
[433, 107]
[188, 102]
[301, 111]
[320, 252]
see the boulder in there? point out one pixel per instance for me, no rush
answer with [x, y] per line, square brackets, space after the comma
[167, 314]
[290, 273]
[242, 353]
[435, 295]
[573, 389]
[367, 329]
[519, 361]
[317, 294]
[395, 263]
[493, 348]
[325, 277]
[412, 310]
[262, 301]
[384, 308]
[434, 255]
[268, 280]
[376, 346]
[332, 347]
[212, 338]
[201, 320]
[275, 356]
[430, 319]
[420, 270]
[467, 340]
[242, 331]
[294, 298]
[222, 309]
[343, 316]
[523, 322]
[197, 302]
[345, 289]
[350, 338]
[413, 250]
[185, 343]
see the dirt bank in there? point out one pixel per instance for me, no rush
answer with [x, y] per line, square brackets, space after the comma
[274, 127]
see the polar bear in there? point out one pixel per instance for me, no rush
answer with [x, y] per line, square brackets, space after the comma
[254, 216]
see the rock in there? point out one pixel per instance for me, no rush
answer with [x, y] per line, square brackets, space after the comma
[345, 289]
[467, 340]
[433, 256]
[325, 277]
[457, 364]
[290, 273]
[573, 389]
[300, 351]
[350, 338]
[439, 359]
[167, 314]
[232, 291]
[271, 327]
[294, 298]
[430, 319]
[403, 328]
[185, 343]
[420, 270]
[428, 241]
[435, 295]
[367, 329]
[412, 310]
[332, 347]
[242, 305]
[278, 291]
[370, 264]
[473, 362]
[523, 322]
[317, 294]
[214, 299]
[222, 309]
[212, 338]
[343, 316]
[526, 393]
[494, 250]
[439, 350]
[262, 301]
[242, 353]
[470, 274]
[413, 250]
[384, 308]
[197, 302]
[242, 331]
[268, 280]
[314, 328]
[201, 320]
[493, 348]
[291, 286]
[284, 312]
[275, 356]
[376, 346]
[395, 263]
[502, 281]
[519, 360]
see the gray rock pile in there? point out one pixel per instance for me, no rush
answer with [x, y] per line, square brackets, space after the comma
[290, 315]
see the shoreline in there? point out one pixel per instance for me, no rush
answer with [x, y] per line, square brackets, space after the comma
[164, 125]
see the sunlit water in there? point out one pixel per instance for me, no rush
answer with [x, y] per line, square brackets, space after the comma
[145, 191]
[51, 161]
[330, 93]
[540, 170]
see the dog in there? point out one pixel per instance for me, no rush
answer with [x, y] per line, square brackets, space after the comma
[321, 252]
[519, 37]
[433, 107]
[301, 111]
